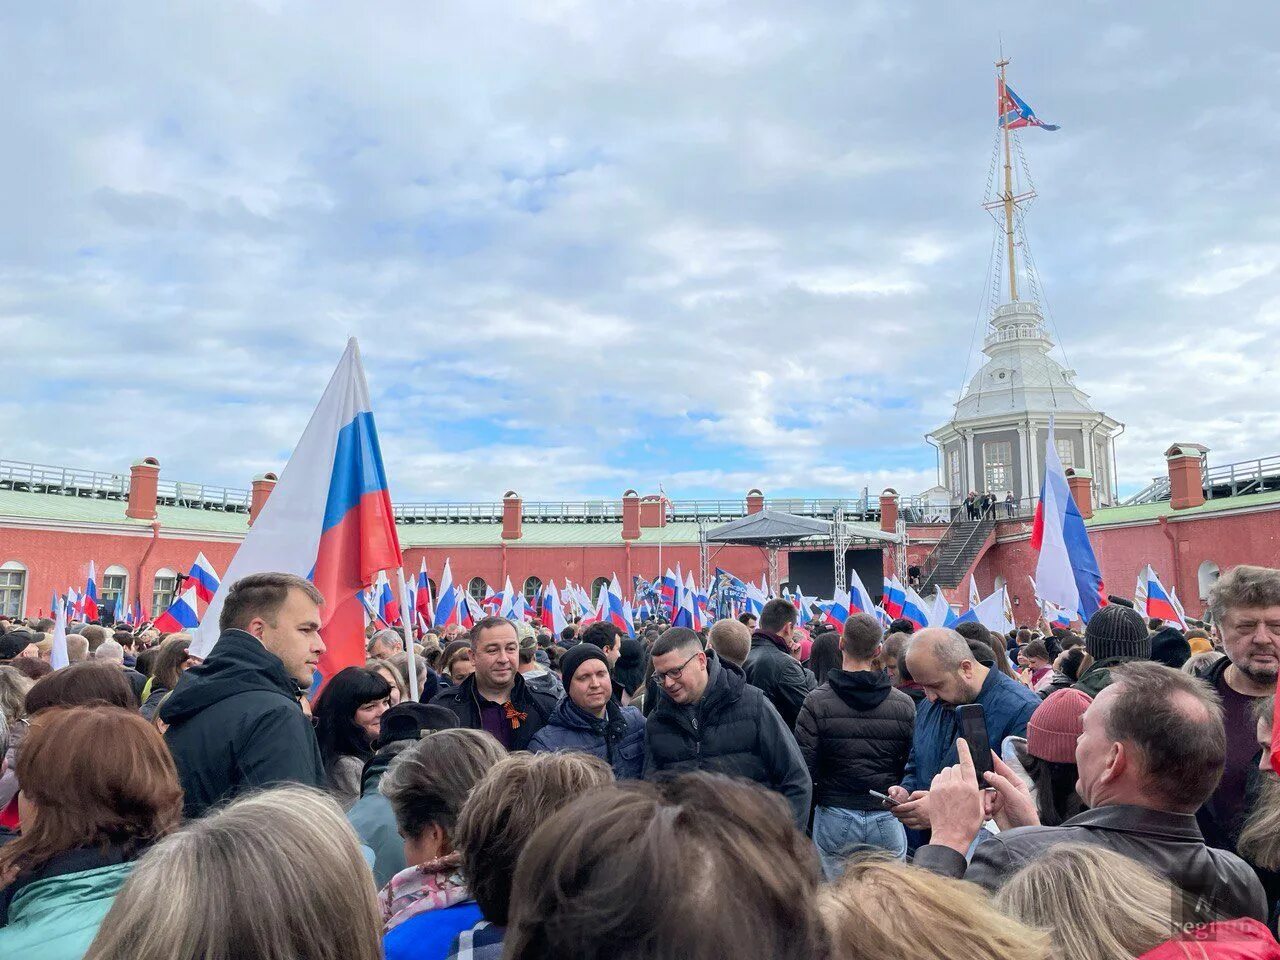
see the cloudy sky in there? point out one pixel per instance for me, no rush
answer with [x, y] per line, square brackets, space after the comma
[592, 245]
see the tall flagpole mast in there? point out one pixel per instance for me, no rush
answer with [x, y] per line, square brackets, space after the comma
[1008, 182]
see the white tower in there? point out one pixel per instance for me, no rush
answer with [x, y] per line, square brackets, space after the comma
[994, 443]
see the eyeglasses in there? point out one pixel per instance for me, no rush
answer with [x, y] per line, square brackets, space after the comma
[662, 676]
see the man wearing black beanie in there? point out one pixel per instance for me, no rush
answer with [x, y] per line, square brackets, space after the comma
[589, 719]
[1114, 634]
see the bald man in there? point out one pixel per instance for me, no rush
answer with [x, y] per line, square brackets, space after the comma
[941, 662]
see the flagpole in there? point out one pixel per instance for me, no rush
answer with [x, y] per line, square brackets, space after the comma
[1008, 182]
[406, 621]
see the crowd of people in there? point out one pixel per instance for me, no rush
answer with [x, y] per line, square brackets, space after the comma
[752, 789]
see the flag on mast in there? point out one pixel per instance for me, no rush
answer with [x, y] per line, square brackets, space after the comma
[1014, 112]
[329, 519]
[89, 602]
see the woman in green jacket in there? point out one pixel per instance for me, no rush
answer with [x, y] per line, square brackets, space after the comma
[98, 788]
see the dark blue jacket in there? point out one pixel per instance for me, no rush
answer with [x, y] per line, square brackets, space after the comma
[1007, 705]
[618, 739]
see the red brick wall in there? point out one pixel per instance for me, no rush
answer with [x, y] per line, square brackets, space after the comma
[56, 560]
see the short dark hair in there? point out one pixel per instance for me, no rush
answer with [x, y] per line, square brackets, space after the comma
[902, 626]
[335, 713]
[776, 615]
[597, 873]
[861, 636]
[488, 623]
[568, 633]
[1175, 721]
[505, 808]
[744, 617]
[972, 630]
[261, 595]
[603, 635]
[674, 638]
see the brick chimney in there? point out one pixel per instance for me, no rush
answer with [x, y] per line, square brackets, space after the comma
[631, 515]
[1186, 485]
[511, 515]
[653, 511]
[144, 475]
[1081, 484]
[263, 484]
[889, 510]
[755, 501]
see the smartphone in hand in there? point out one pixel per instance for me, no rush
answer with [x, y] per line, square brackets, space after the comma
[884, 798]
[973, 728]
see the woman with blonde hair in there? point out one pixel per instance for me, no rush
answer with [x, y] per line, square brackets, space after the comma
[388, 671]
[1259, 841]
[884, 908]
[1095, 903]
[275, 874]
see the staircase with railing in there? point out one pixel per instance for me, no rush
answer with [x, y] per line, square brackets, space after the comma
[955, 552]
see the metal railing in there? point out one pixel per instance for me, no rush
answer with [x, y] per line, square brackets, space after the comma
[203, 496]
[43, 478]
[1244, 476]
[983, 525]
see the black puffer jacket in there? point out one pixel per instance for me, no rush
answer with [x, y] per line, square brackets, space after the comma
[732, 729]
[855, 733]
[534, 704]
[784, 681]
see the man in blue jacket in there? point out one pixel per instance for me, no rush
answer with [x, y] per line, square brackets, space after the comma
[589, 719]
[942, 663]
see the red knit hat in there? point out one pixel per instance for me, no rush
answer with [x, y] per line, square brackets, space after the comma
[1056, 724]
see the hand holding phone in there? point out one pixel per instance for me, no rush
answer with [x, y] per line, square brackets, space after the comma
[973, 728]
[884, 798]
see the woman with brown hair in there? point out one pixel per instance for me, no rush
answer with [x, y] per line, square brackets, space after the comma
[89, 682]
[883, 908]
[426, 786]
[98, 788]
[170, 662]
[275, 874]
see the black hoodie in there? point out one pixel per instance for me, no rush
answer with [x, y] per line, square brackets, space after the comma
[855, 735]
[235, 725]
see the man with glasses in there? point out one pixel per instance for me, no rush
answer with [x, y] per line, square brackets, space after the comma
[1245, 605]
[709, 718]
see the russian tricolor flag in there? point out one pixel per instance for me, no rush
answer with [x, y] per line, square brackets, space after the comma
[915, 609]
[837, 611]
[1152, 600]
[895, 597]
[328, 519]
[181, 615]
[423, 605]
[618, 614]
[89, 602]
[203, 579]
[447, 607]
[388, 609]
[1066, 572]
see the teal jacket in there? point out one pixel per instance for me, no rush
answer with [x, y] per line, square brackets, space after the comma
[57, 918]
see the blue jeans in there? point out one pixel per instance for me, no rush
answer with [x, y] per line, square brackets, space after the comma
[840, 833]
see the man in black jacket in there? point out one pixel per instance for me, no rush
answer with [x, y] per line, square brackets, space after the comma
[770, 665]
[496, 698]
[854, 733]
[709, 718]
[1151, 752]
[235, 723]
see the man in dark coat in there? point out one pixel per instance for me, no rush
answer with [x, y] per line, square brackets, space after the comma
[1151, 753]
[854, 732]
[590, 720]
[770, 665]
[709, 718]
[235, 723]
[496, 697]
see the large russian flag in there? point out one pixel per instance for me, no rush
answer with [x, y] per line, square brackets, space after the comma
[894, 597]
[1066, 571]
[328, 519]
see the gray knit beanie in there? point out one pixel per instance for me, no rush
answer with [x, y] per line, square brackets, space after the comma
[1117, 631]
